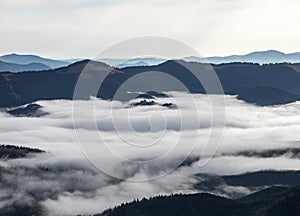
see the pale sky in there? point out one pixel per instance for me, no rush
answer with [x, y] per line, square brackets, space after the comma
[82, 28]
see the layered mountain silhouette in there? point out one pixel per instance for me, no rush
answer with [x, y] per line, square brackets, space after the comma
[273, 201]
[13, 67]
[258, 84]
[142, 61]
[262, 57]
[16, 61]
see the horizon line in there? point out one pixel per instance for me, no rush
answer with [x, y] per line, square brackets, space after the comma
[82, 58]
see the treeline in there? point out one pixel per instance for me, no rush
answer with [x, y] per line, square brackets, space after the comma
[274, 201]
[11, 151]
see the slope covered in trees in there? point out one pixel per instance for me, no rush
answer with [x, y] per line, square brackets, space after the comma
[269, 202]
[258, 84]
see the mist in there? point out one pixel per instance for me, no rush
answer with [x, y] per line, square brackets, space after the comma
[148, 143]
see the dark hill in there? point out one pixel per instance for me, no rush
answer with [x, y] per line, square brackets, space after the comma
[23, 88]
[262, 85]
[269, 202]
[192, 205]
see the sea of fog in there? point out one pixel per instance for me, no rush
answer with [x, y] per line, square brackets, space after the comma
[148, 147]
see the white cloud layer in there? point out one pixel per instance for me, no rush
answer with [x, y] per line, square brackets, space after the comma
[80, 189]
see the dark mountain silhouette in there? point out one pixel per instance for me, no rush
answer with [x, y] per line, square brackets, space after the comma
[266, 96]
[264, 178]
[28, 59]
[262, 85]
[269, 202]
[12, 67]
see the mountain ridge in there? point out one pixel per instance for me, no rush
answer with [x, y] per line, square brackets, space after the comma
[258, 84]
[272, 201]
[29, 58]
[15, 68]
[260, 57]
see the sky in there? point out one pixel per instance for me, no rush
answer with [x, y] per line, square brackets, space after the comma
[83, 28]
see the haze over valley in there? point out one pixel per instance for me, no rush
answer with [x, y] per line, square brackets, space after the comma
[149, 108]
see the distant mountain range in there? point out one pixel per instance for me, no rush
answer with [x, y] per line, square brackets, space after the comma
[258, 84]
[19, 63]
[262, 57]
[122, 63]
[13, 67]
